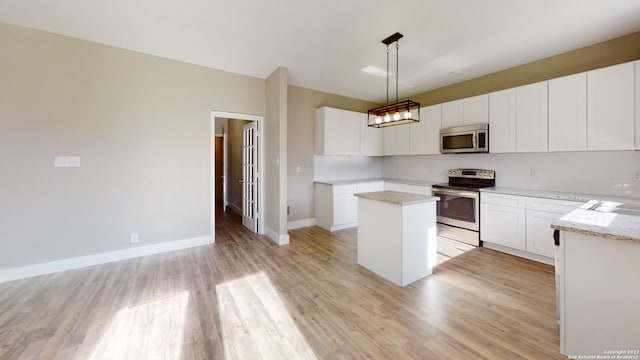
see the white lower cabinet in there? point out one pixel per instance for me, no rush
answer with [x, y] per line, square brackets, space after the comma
[521, 223]
[336, 207]
[408, 188]
[503, 225]
[539, 232]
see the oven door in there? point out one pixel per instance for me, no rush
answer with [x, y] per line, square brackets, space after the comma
[458, 208]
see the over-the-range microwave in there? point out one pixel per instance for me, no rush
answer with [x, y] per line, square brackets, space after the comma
[465, 139]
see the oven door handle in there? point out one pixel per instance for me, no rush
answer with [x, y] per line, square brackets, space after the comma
[473, 141]
[469, 194]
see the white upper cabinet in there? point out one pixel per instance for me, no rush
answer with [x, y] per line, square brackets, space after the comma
[467, 111]
[637, 106]
[397, 140]
[531, 117]
[452, 113]
[370, 138]
[610, 101]
[475, 109]
[568, 113]
[502, 121]
[337, 131]
[425, 135]
[518, 119]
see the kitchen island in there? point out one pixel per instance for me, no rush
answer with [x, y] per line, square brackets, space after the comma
[397, 235]
[597, 269]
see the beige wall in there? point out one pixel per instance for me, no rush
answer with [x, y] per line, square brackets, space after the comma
[301, 139]
[141, 127]
[615, 51]
[235, 163]
[275, 148]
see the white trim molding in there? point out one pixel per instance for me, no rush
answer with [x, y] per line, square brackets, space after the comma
[102, 258]
[291, 225]
[277, 238]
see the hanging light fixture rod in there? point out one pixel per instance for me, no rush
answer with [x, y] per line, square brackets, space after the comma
[400, 112]
[393, 38]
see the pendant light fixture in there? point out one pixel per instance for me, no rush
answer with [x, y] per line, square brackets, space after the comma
[400, 112]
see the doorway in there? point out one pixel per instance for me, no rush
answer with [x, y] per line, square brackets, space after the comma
[224, 176]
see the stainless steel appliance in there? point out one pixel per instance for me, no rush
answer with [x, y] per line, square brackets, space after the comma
[458, 211]
[465, 139]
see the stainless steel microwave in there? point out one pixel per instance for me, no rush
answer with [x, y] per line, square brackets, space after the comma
[465, 139]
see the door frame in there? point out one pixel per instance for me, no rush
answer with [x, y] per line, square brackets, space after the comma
[212, 133]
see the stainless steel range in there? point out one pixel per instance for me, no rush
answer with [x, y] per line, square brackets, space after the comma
[458, 211]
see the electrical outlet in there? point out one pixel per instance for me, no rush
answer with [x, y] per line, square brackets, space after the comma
[636, 178]
[533, 173]
[66, 161]
[134, 238]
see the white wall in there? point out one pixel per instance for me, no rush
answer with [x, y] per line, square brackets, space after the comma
[275, 146]
[141, 126]
[346, 167]
[603, 172]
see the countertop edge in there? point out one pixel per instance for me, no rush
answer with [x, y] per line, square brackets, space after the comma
[397, 198]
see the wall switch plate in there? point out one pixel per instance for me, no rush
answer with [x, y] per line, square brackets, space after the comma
[134, 238]
[66, 161]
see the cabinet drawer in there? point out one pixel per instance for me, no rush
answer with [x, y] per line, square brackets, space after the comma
[504, 200]
[344, 189]
[551, 205]
[417, 189]
[369, 186]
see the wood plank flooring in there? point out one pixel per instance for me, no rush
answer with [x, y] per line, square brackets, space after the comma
[247, 298]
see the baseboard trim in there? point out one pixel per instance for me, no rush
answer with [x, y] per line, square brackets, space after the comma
[235, 208]
[102, 258]
[301, 223]
[277, 238]
[519, 253]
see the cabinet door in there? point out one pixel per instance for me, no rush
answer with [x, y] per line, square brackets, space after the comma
[371, 143]
[610, 92]
[532, 118]
[452, 113]
[403, 143]
[475, 109]
[425, 135]
[637, 105]
[503, 225]
[390, 140]
[502, 121]
[540, 233]
[568, 113]
[337, 132]
[345, 205]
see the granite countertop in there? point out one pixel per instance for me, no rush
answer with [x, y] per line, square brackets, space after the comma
[396, 197]
[364, 180]
[559, 195]
[607, 219]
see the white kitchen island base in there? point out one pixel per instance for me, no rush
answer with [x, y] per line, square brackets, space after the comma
[397, 235]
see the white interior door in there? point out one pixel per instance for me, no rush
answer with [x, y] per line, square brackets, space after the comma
[250, 176]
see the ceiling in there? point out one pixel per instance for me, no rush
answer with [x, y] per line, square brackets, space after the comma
[326, 44]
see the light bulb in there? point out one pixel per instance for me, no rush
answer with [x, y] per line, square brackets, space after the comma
[387, 118]
[396, 116]
[378, 120]
[407, 114]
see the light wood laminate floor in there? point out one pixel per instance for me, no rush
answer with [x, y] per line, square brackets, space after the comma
[247, 298]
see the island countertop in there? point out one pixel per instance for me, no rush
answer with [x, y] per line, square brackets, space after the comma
[396, 197]
[605, 219]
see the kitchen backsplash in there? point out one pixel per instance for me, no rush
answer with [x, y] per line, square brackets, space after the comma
[605, 172]
[346, 167]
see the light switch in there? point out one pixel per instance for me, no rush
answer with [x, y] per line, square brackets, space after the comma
[66, 161]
